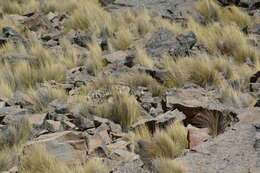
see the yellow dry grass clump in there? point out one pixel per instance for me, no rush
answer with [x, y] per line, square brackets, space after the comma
[225, 39]
[211, 10]
[38, 160]
[164, 143]
[168, 166]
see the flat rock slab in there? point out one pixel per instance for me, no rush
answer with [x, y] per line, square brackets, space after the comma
[196, 100]
[65, 146]
[236, 151]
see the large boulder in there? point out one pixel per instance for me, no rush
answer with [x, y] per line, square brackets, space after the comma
[237, 150]
[162, 41]
[200, 107]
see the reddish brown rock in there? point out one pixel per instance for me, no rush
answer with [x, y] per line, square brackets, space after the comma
[196, 136]
[96, 145]
[37, 119]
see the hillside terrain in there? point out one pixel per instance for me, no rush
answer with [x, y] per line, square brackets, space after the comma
[129, 86]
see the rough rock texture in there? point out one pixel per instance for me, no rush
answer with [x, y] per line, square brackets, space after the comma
[251, 115]
[176, 10]
[66, 146]
[237, 150]
[73, 131]
[196, 136]
[195, 101]
[163, 41]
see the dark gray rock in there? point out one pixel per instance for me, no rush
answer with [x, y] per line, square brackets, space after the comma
[37, 21]
[186, 42]
[3, 40]
[257, 103]
[159, 122]
[59, 107]
[163, 41]
[79, 76]
[160, 75]
[106, 2]
[13, 58]
[229, 2]
[11, 35]
[120, 58]
[20, 99]
[11, 114]
[177, 10]
[80, 38]
[237, 150]
[114, 128]
[255, 83]
[254, 29]
[84, 123]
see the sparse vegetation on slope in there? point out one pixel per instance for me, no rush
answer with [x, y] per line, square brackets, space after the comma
[85, 75]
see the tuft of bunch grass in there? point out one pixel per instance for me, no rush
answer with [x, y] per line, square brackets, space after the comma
[202, 70]
[144, 80]
[226, 39]
[169, 143]
[38, 160]
[95, 60]
[19, 6]
[143, 59]
[214, 12]
[9, 157]
[43, 96]
[16, 133]
[125, 110]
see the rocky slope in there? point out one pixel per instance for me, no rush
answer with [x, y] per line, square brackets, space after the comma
[123, 86]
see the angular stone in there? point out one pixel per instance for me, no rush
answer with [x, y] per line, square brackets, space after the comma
[37, 21]
[68, 125]
[120, 58]
[162, 41]
[79, 76]
[53, 126]
[37, 120]
[96, 145]
[66, 146]
[120, 144]
[59, 107]
[84, 123]
[15, 38]
[195, 100]
[11, 114]
[123, 155]
[176, 10]
[14, 58]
